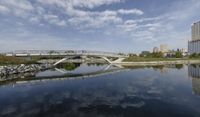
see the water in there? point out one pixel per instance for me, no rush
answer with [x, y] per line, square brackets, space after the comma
[170, 91]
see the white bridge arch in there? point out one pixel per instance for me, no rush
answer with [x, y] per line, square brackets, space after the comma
[119, 60]
[69, 54]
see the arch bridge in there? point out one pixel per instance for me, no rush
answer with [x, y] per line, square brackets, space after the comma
[70, 54]
[103, 55]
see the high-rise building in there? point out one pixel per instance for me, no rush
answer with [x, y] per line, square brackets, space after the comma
[155, 50]
[164, 48]
[194, 44]
[196, 31]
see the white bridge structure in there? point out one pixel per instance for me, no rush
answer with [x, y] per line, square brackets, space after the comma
[70, 54]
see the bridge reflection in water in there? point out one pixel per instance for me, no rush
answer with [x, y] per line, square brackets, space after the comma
[194, 73]
[62, 71]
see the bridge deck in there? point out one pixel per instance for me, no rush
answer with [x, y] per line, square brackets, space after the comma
[64, 53]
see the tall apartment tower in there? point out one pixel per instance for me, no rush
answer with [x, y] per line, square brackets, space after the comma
[155, 50]
[164, 48]
[194, 44]
[196, 31]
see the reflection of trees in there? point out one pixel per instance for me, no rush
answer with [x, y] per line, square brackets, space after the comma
[133, 67]
[160, 67]
[194, 65]
[69, 66]
[96, 64]
[179, 66]
[194, 73]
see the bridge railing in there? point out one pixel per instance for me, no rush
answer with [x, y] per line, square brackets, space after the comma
[62, 52]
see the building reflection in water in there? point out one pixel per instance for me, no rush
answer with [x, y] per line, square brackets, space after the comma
[194, 73]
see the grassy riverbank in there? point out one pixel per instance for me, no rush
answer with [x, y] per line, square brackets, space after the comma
[7, 60]
[144, 59]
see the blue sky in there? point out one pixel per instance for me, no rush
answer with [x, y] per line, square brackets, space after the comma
[104, 25]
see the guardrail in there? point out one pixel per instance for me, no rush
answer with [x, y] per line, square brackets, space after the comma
[62, 53]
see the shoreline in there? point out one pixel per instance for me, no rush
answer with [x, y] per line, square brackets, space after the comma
[138, 63]
[153, 63]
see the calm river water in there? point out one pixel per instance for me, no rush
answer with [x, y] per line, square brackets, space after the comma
[170, 91]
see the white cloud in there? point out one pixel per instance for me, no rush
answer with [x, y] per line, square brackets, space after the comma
[54, 19]
[131, 11]
[93, 3]
[133, 25]
[87, 15]
[34, 19]
[90, 19]
[127, 27]
[94, 21]
[130, 22]
[79, 3]
[152, 25]
[68, 12]
[3, 9]
[148, 19]
[20, 8]
[169, 27]
[97, 19]
[18, 4]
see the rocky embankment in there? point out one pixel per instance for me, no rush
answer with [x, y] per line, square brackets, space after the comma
[17, 69]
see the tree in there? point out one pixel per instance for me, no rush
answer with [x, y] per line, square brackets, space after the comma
[194, 55]
[157, 55]
[70, 66]
[178, 55]
[145, 54]
[132, 55]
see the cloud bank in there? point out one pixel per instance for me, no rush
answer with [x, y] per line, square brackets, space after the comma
[116, 22]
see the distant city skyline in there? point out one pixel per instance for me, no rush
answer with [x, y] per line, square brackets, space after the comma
[102, 25]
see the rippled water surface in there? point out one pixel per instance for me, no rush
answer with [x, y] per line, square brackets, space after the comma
[170, 91]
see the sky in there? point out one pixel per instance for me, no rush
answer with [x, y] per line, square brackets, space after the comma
[103, 25]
